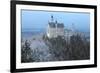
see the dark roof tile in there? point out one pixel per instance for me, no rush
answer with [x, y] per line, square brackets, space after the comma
[52, 24]
[60, 25]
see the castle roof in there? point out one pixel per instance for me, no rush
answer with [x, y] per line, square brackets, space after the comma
[60, 25]
[52, 24]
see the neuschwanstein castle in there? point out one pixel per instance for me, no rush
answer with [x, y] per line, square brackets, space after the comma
[54, 28]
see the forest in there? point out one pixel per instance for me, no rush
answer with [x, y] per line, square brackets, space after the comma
[58, 49]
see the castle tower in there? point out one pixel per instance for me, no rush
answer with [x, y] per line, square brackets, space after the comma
[54, 28]
[51, 29]
[52, 18]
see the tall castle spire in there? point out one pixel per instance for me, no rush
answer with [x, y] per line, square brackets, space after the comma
[52, 18]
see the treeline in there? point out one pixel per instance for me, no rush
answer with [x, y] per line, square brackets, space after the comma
[77, 49]
[28, 54]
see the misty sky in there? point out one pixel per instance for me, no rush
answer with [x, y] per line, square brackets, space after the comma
[39, 19]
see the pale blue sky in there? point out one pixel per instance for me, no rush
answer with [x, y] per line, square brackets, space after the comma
[39, 19]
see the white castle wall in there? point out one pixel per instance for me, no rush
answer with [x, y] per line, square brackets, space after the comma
[51, 32]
